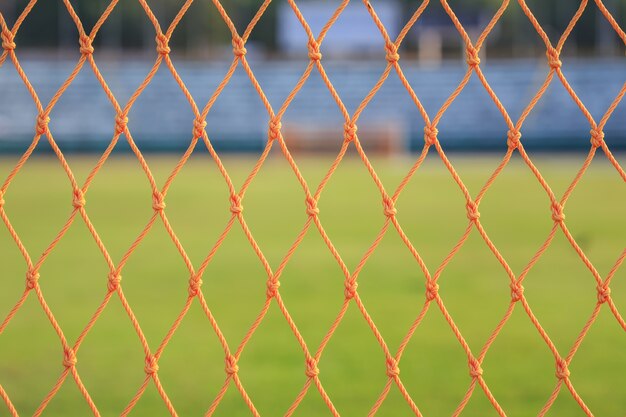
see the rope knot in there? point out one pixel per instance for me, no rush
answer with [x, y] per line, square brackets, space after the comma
[432, 289]
[311, 368]
[475, 370]
[553, 58]
[231, 365]
[114, 281]
[597, 137]
[389, 207]
[393, 370]
[163, 47]
[152, 367]
[562, 372]
[274, 130]
[198, 127]
[157, 201]
[79, 199]
[472, 211]
[311, 206]
[350, 289]
[604, 293]
[314, 50]
[272, 288]
[557, 212]
[239, 48]
[517, 291]
[349, 132]
[8, 43]
[392, 53]
[430, 135]
[32, 277]
[235, 204]
[513, 137]
[42, 124]
[69, 358]
[195, 283]
[472, 56]
[85, 45]
[120, 124]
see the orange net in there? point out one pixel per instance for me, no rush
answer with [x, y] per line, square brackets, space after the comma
[275, 138]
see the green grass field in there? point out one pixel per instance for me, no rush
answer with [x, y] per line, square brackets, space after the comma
[519, 368]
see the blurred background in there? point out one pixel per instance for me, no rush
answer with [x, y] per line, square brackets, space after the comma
[519, 368]
[432, 58]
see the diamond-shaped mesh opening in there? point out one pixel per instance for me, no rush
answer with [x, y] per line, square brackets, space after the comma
[245, 320]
